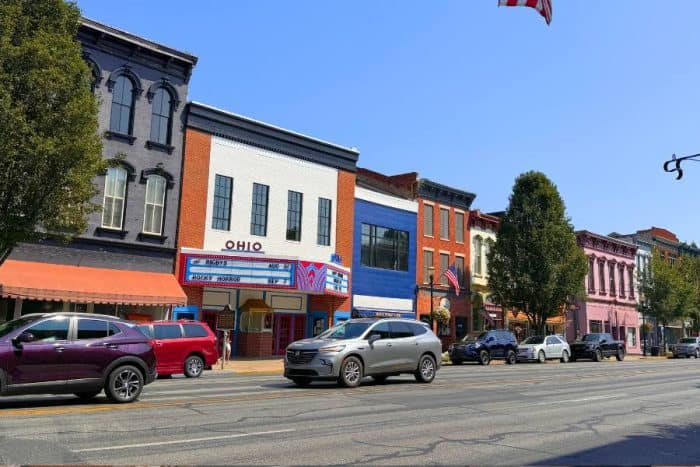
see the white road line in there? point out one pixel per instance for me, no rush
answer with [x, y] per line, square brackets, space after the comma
[181, 441]
[192, 391]
[593, 398]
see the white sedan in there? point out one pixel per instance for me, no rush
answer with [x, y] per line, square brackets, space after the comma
[541, 349]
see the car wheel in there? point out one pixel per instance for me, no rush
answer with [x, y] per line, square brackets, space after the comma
[379, 379]
[621, 355]
[302, 382]
[484, 357]
[598, 356]
[564, 357]
[87, 395]
[511, 358]
[697, 353]
[194, 366]
[541, 358]
[426, 369]
[124, 384]
[350, 372]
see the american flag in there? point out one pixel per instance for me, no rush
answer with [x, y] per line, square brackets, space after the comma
[451, 274]
[543, 6]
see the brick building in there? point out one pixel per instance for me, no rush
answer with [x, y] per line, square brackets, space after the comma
[266, 227]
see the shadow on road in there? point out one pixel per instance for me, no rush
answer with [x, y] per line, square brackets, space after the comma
[62, 401]
[666, 444]
[333, 384]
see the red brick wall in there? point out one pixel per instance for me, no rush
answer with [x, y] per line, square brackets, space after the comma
[255, 344]
[345, 216]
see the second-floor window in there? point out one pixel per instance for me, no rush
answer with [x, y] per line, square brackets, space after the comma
[427, 263]
[384, 248]
[477, 247]
[155, 204]
[621, 269]
[324, 221]
[630, 273]
[591, 274]
[428, 219]
[601, 275]
[294, 208]
[459, 265]
[444, 264]
[444, 224]
[488, 245]
[258, 213]
[223, 191]
[122, 113]
[161, 116]
[611, 276]
[459, 227]
[115, 197]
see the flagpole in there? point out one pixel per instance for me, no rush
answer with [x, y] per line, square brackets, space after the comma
[431, 270]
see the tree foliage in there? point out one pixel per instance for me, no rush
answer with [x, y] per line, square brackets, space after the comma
[49, 147]
[536, 266]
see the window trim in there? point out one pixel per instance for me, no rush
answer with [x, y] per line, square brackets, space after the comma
[253, 203]
[478, 247]
[426, 266]
[171, 112]
[149, 178]
[396, 252]
[292, 212]
[447, 236]
[117, 132]
[214, 218]
[462, 224]
[329, 219]
[431, 207]
[123, 198]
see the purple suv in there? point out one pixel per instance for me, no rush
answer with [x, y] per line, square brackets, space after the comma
[75, 353]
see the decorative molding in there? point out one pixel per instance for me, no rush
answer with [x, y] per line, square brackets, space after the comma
[125, 70]
[114, 233]
[165, 84]
[170, 180]
[130, 170]
[149, 237]
[94, 68]
[154, 145]
[109, 134]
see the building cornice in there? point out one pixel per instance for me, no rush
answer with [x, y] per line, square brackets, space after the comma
[605, 244]
[430, 190]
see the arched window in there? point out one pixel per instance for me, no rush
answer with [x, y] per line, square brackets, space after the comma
[115, 197]
[478, 255]
[161, 117]
[155, 203]
[122, 106]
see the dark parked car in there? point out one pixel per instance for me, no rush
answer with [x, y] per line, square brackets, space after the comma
[484, 347]
[596, 346]
[687, 347]
[75, 353]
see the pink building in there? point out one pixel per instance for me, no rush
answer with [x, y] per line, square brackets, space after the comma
[610, 304]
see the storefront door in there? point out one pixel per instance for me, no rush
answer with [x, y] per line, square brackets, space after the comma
[286, 329]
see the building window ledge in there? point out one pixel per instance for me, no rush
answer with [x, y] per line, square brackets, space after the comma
[151, 237]
[107, 232]
[120, 137]
[160, 146]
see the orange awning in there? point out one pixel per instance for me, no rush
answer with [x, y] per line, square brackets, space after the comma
[79, 284]
[559, 319]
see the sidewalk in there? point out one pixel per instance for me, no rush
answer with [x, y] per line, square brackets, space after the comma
[252, 366]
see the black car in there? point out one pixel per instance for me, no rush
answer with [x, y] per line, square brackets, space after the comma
[484, 347]
[596, 346]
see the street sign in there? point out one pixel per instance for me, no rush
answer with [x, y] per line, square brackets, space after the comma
[226, 321]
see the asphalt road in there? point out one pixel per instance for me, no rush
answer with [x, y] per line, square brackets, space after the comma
[634, 412]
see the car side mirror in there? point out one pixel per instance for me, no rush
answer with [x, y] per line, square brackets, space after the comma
[373, 338]
[603, 341]
[23, 338]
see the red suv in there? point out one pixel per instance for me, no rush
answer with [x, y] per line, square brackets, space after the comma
[181, 346]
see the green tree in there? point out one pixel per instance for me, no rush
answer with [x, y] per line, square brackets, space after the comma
[536, 265]
[49, 146]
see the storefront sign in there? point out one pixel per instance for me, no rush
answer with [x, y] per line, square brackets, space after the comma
[238, 272]
[336, 281]
[242, 246]
[226, 321]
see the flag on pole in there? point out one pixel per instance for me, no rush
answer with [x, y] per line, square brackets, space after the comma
[451, 274]
[544, 7]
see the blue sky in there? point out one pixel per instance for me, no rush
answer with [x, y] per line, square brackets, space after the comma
[464, 92]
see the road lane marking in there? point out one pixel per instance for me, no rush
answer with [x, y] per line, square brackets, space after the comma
[181, 441]
[584, 399]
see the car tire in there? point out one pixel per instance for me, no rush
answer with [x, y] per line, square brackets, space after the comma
[124, 384]
[426, 369]
[697, 353]
[194, 366]
[379, 379]
[302, 382]
[564, 357]
[87, 395]
[540, 357]
[484, 357]
[350, 372]
[598, 356]
[511, 358]
[621, 355]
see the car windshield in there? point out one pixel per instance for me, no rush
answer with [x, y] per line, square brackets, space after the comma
[688, 340]
[474, 337]
[534, 340]
[590, 338]
[346, 330]
[6, 328]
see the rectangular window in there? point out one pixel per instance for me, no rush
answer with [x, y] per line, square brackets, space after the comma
[223, 190]
[115, 198]
[294, 205]
[444, 224]
[428, 220]
[459, 227]
[621, 269]
[459, 265]
[595, 326]
[591, 275]
[601, 274]
[631, 337]
[444, 264]
[630, 273]
[258, 214]
[384, 248]
[476, 247]
[155, 205]
[324, 221]
[611, 276]
[427, 262]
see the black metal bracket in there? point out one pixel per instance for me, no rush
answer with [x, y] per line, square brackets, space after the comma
[674, 165]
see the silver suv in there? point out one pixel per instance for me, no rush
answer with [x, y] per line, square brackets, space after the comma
[365, 347]
[687, 347]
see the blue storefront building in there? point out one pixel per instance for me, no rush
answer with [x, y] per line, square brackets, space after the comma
[384, 250]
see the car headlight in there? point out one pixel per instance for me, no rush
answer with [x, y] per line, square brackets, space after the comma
[331, 348]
